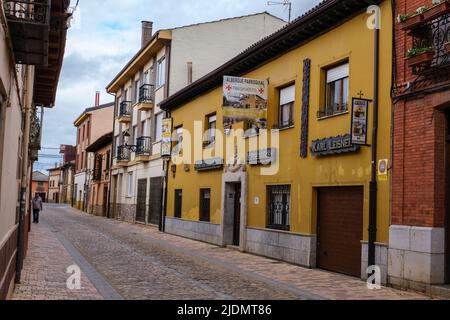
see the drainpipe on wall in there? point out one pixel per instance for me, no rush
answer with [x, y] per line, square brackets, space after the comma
[373, 183]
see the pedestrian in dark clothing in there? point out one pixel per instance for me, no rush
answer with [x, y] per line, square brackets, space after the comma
[37, 208]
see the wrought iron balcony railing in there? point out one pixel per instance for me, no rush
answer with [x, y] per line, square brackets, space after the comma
[35, 129]
[28, 11]
[123, 153]
[147, 93]
[125, 109]
[29, 27]
[144, 146]
[433, 34]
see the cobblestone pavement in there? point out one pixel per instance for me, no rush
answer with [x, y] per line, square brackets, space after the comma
[141, 263]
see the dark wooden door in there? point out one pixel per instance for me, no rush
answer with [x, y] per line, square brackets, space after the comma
[237, 215]
[141, 200]
[156, 198]
[205, 205]
[340, 229]
[105, 201]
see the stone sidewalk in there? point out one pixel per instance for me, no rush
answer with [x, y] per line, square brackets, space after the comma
[166, 264]
[44, 275]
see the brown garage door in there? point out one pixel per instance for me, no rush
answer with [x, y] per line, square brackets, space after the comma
[340, 223]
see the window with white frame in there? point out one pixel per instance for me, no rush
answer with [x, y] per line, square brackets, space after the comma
[136, 91]
[161, 75]
[158, 125]
[336, 92]
[178, 147]
[211, 129]
[130, 184]
[286, 110]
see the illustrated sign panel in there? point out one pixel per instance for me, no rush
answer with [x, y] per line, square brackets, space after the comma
[334, 145]
[245, 99]
[360, 110]
[166, 141]
[262, 157]
[383, 167]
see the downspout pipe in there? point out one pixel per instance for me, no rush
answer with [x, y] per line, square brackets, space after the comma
[111, 158]
[374, 183]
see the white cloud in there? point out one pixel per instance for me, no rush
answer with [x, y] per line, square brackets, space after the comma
[108, 35]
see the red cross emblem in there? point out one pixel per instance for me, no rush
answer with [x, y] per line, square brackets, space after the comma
[261, 90]
[229, 87]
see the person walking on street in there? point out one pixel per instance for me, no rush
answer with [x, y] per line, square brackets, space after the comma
[37, 208]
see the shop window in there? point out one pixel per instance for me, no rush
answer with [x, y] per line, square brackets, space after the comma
[336, 91]
[178, 203]
[205, 205]
[286, 107]
[279, 207]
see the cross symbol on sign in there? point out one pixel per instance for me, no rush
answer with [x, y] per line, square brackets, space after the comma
[229, 87]
[261, 90]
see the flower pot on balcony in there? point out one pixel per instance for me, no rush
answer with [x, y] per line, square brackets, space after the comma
[447, 47]
[424, 58]
[437, 11]
[412, 22]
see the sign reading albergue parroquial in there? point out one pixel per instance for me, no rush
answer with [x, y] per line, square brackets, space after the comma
[166, 141]
[360, 117]
[245, 99]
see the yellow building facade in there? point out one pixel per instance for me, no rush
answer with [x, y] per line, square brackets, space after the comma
[314, 211]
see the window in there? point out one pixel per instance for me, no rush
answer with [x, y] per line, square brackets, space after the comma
[116, 145]
[336, 92]
[130, 184]
[135, 135]
[205, 205]
[211, 125]
[279, 206]
[144, 129]
[88, 129]
[161, 76]
[178, 203]
[108, 161]
[178, 141]
[158, 127]
[136, 92]
[286, 111]
[146, 78]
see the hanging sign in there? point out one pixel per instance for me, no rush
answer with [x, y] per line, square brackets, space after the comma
[383, 167]
[245, 99]
[360, 117]
[166, 141]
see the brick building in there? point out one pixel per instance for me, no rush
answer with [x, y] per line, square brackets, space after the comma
[419, 234]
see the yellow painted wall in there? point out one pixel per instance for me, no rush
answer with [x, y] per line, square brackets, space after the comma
[352, 41]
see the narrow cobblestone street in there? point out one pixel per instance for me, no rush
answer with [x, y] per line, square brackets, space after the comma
[122, 261]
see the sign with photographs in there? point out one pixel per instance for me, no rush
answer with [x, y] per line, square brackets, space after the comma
[360, 117]
[166, 141]
[245, 100]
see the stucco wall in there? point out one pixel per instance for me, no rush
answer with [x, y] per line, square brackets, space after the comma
[209, 45]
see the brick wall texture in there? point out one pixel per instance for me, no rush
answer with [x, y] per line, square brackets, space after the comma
[419, 144]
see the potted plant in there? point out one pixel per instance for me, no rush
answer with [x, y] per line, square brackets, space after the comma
[437, 10]
[409, 21]
[419, 56]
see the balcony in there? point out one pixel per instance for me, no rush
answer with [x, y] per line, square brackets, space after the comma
[125, 110]
[430, 53]
[29, 26]
[123, 155]
[143, 149]
[146, 97]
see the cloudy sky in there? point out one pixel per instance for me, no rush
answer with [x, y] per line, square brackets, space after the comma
[106, 34]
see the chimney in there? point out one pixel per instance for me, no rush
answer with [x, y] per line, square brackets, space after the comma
[147, 32]
[97, 98]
